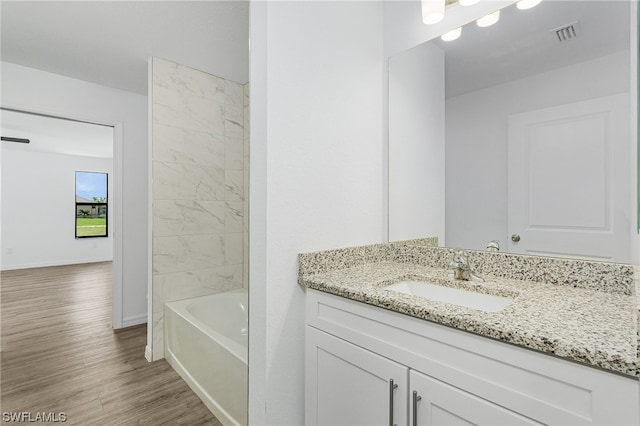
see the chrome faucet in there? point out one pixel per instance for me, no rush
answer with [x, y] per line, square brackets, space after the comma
[493, 245]
[459, 268]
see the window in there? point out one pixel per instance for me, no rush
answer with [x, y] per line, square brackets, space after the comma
[91, 205]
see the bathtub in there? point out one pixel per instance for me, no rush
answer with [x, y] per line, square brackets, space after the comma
[206, 343]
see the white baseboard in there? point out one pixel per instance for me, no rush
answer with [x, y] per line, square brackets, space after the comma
[55, 263]
[134, 320]
[148, 354]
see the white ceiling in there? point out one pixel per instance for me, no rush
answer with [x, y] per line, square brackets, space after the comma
[110, 42]
[521, 44]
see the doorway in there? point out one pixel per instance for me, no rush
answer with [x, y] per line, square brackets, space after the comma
[40, 161]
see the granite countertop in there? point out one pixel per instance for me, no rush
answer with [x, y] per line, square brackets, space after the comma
[586, 325]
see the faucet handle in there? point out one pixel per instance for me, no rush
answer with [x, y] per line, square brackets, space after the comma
[460, 256]
[460, 269]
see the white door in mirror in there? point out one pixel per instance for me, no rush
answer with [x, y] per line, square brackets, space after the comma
[569, 186]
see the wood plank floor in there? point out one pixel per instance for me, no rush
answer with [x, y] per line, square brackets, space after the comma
[58, 353]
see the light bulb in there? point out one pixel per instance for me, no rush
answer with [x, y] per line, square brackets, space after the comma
[432, 11]
[452, 35]
[487, 21]
[468, 2]
[527, 4]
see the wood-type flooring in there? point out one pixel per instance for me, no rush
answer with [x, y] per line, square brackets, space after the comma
[60, 358]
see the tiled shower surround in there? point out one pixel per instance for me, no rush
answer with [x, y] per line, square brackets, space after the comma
[199, 167]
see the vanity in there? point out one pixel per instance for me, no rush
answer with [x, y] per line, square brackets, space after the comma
[501, 140]
[562, 349]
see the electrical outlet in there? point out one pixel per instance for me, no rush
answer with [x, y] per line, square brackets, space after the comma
[9, 250]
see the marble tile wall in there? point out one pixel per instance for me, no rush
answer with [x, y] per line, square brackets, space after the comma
[199, 156]
[245, 235]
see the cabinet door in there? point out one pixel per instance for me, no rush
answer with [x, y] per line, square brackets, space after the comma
[348, 385]
[436, 403]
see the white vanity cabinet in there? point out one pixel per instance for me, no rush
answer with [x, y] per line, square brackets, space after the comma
[354, 350]
[353, 386]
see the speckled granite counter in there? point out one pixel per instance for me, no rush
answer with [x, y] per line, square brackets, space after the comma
[578, 310]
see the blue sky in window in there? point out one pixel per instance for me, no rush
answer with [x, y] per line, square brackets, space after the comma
[91, 184]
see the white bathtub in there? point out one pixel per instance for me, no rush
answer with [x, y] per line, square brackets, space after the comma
[206, 343]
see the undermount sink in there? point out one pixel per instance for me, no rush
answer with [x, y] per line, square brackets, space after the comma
[455, 296]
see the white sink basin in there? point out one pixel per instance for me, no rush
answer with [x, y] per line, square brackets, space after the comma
[456, 296]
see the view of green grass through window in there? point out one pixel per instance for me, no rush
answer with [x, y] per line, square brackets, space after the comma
[91, 205]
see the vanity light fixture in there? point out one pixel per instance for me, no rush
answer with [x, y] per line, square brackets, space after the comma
[452, 35]
[488, 20]
[432, 11]
[527, 4]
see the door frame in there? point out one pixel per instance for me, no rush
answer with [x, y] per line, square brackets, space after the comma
[116, 225]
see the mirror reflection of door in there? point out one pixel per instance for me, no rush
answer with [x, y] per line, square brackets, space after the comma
[568, 180]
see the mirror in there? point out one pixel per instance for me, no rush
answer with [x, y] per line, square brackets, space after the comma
[518, 134]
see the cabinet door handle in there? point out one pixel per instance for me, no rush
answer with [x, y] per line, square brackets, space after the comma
[416, 398]
[392, 387]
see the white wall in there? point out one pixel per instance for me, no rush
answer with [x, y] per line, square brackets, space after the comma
[37, 91]
[38, 210]
[416, 166]
[316, 178]
[476, 148]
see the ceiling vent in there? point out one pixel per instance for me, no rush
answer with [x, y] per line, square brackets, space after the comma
[567, 32]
